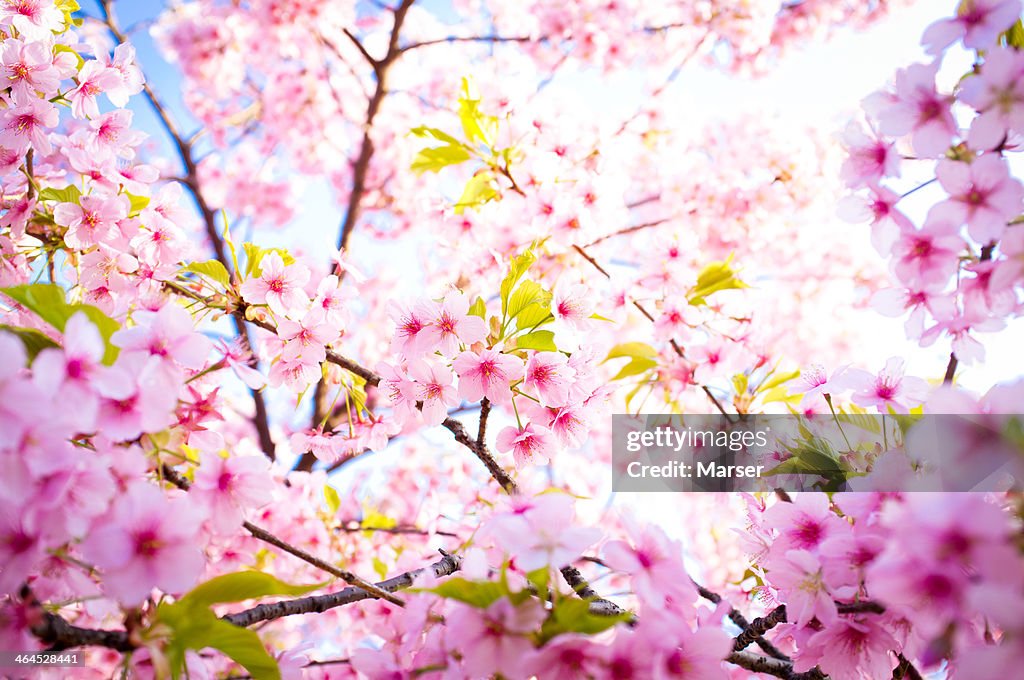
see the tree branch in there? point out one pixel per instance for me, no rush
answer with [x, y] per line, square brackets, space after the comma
[262, 534]
[362, 165]
[447, 565]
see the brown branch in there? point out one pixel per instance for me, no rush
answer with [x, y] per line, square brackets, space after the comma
[770, 666]
[260, 417]
[362, 165]
[316, 604]
[492, 39]
[741, 621]
[758, 627]
[262, 534]
[58, 634]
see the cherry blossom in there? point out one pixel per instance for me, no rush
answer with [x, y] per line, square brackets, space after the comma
[147, 543]
[278, 286]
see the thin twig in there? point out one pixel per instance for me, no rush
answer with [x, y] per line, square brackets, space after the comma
[172, 476]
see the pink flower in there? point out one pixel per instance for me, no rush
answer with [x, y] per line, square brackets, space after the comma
[803, 524]
[168, 334]
[73, 370]
[654, 563]
[29, 67]
[814, 382]
[229, 487]
[412, 321]
[278, 286]
[486, 374]
[34, 19]
[549, 376]
[997, 93]
[333, 300]
[433, 385]
[306, 340]
[20, 548]
[878, 207]
[917, 109]
[677, 318]
[539, 532]
[982, 194]
[147, 542]
[959, 327]
[919, 300]
[93, 80]
[92, 220]
[495, 640]
[850, 649]
[122, 62]
[28, 123]
[870, 158]
[137, 396]
[978, 22]
[451, 325]
[798, 577]
[324, 445]
[377, 432]
[928, 256]
[529, 444]
[113, 131]
[889, 389]
[572, 306]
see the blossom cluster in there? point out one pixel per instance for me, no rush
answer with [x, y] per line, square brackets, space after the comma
[958, 270]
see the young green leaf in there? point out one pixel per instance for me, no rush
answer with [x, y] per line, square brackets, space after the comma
[434, 159]
[543, 341]
[211, 269]
[69, 194]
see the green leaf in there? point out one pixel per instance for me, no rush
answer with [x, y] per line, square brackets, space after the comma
[47, 301]
[211, 269]
[436, 158]
[572, 615]
[740, 382]
[635, 367]
[518, 265]
[34, 341]
[632, 349]
[478, 127]
[439, 135]
[201, 629]
[543, 341]
[713, 278]
[481, 594]
[375, 519]
[137, 204]
[528, 293]
[69, 194]
[479, 190]
[380, 568]
[776, 379]
[540, 579]
[332, 498]
[534, 315]
[478, 308]
[1015, 36]
[244, 647]
[241, 585]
